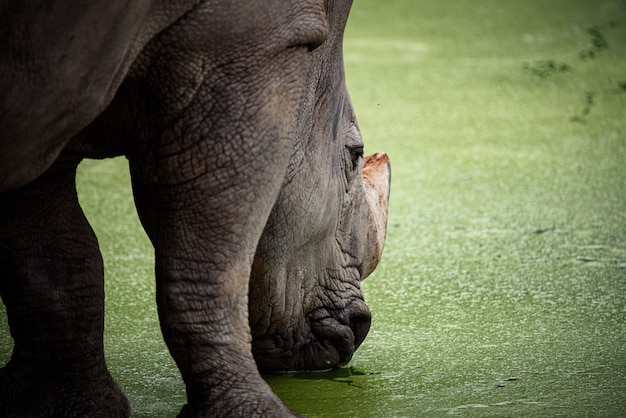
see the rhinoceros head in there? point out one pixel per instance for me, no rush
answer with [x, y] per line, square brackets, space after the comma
[326, 231]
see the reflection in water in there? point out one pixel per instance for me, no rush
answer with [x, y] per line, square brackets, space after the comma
[340, 375]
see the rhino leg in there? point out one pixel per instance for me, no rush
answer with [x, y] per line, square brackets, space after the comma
[204, 232]
[207, 169]
[51, 281]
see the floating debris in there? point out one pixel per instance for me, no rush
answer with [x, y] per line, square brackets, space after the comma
[471, 406]
[542, 230]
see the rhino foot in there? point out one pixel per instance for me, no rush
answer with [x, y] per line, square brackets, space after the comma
[268, 406]
[32, 394]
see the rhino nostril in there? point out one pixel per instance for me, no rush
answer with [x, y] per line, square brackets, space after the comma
[360, 327]
[360, 321]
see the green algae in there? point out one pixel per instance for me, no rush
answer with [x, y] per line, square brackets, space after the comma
[502, 290]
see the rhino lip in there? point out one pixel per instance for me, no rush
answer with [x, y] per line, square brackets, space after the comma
[342, 333]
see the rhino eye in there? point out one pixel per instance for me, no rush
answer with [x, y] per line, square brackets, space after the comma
[356, 153]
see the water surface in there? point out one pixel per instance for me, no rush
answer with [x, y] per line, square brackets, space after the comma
[502, 290]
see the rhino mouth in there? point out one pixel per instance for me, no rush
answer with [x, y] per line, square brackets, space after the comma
[339, 334]
[332, 338]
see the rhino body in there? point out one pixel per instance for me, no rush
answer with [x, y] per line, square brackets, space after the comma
[248, 175]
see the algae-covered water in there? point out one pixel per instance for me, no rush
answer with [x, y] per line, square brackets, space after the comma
[502, 290]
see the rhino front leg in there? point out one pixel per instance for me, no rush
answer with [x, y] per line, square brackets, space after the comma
[51, 281]
[205, 232]
[207, 168]
[204, 202]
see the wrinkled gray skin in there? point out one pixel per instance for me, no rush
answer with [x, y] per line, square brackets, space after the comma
[241, 138]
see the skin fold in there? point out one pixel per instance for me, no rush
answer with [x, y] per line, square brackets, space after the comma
[248, 175]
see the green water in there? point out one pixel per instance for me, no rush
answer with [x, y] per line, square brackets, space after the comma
[502, 290]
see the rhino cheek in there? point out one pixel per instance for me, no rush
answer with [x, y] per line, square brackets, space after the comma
[376, 187]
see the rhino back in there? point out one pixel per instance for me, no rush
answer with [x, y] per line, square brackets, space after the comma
[61, 63]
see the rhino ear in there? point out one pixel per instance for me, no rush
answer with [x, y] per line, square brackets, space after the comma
[376, 182]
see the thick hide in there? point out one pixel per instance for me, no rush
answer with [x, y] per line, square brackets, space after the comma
[248, 175]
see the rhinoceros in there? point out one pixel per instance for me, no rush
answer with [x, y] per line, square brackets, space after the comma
[248, 175]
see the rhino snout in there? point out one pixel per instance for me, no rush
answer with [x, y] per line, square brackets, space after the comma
[339, 334]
